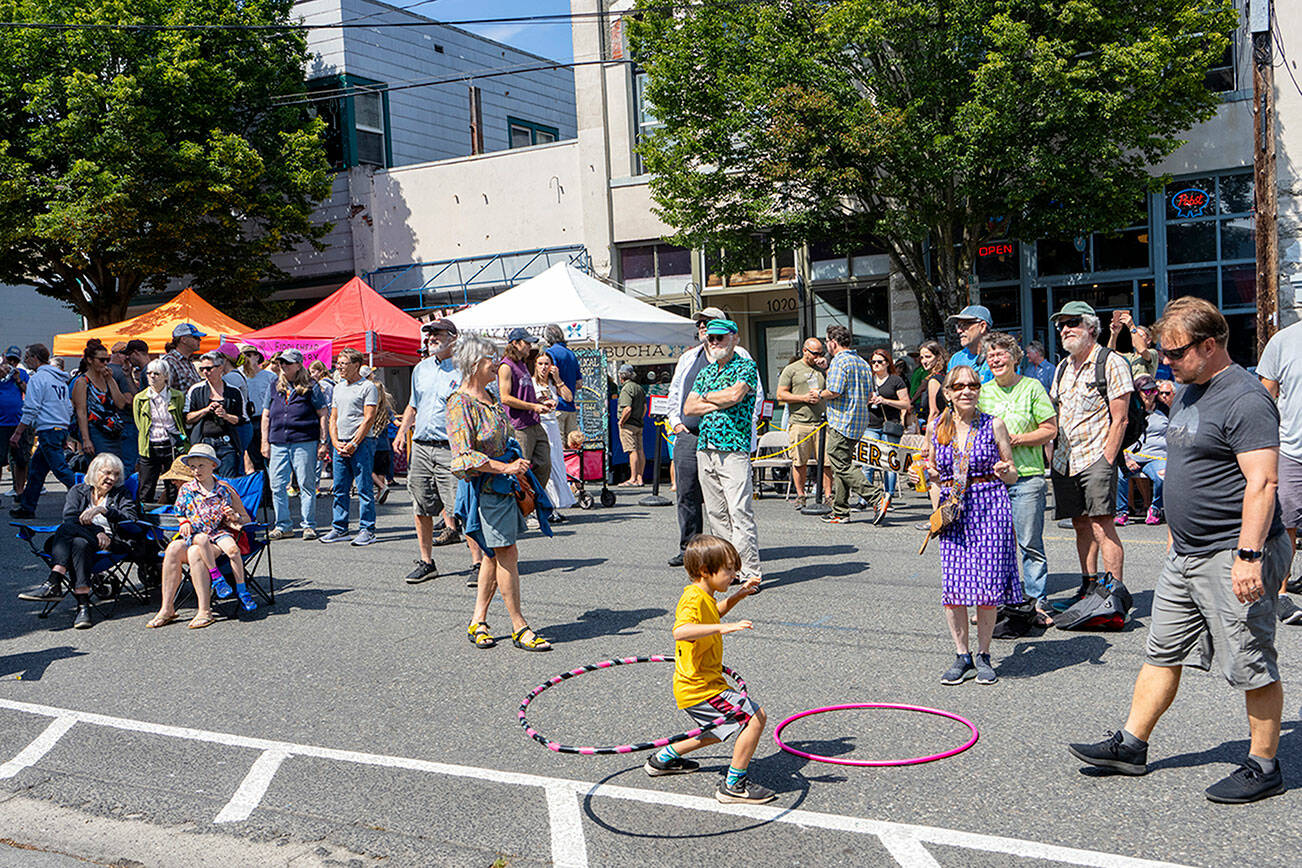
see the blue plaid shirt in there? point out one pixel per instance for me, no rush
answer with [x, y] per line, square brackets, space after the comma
[849, 376]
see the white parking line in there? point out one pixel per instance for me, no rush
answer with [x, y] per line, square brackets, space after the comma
[903, 840]
[39, 747]
[253, 787]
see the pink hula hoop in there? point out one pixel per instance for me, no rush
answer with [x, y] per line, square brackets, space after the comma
[777, 733]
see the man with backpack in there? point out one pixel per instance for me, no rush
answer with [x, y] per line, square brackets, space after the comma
[1092, 390]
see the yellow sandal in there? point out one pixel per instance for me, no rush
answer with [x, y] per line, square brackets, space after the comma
[480, 636]
[537, 643]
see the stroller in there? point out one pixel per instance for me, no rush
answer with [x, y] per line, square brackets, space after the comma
[586, 463]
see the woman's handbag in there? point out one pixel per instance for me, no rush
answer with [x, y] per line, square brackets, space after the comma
[890, 428]
[524, 496]
[949, 511]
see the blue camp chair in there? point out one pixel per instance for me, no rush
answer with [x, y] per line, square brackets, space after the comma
[111, 574]
[250, 489]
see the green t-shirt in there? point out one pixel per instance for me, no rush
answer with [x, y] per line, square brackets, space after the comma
[1023, 407]
[632, 394]
[800, 378]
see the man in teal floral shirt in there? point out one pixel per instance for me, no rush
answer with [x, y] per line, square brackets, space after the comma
[724, 397]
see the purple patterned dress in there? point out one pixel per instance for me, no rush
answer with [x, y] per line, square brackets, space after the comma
[978, 553]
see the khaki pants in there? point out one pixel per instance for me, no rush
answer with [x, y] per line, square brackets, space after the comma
[726, 489]
[537, 451]
[568, 420]
[846, 476]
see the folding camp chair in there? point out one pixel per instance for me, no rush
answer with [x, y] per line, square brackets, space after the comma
[111, 574]
[250, 489]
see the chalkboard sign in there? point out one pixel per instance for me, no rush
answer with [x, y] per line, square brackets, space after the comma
[591, 400]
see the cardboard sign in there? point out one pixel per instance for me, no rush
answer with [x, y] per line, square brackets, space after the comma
[887, 456]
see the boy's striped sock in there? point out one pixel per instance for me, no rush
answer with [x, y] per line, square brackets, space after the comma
[668, 754]
[735, 777]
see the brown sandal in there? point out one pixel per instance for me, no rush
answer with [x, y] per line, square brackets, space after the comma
[201, 621]
[161, 621]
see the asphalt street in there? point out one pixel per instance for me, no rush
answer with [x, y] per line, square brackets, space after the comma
[353, 723]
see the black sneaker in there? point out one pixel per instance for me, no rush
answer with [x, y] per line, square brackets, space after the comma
[425, 570]
[961, 671]
[1294, 585]
[1287, 611]
[82, 621]
[677, 766]
[1247, 783]
[1112, 753]
[985, 673]
[50, 592]
[745, 793]
[447, 536]
[676, 560]
[19, 512]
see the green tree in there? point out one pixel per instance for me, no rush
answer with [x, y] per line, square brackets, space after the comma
[930, 125]
[132, 157]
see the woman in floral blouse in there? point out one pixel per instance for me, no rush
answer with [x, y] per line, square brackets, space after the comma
[479, 433]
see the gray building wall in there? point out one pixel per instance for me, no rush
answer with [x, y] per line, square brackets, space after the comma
[33, 318]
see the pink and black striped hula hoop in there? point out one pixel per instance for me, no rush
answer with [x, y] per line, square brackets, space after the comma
[621, 748]
[922, 709]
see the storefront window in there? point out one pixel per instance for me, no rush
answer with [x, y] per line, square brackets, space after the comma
[997, 260]
[655, 269]
[1238, 285]
[865, 310]
[1119, 251]
[1212, 226]
[1191, 242]
[1195, 281]
[1005, 303]
[1238, 239]
[1063, 256]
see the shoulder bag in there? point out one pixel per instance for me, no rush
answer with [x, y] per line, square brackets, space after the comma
[890, 427]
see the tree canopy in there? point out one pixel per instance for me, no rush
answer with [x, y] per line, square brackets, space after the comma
[129, 158]
[930, 126]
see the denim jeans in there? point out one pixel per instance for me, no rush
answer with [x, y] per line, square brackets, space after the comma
[48, 458]
[347, 469]
[877, 434]
[103, 443]
[229, 464]
[300, 460]
[1151, 469]
[1028, 497]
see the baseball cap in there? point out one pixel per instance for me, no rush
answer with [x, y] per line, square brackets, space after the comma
[13, 353]
[250, 348]
[291, 355]
[440, 325]
[709, 313]
[136, 345]
[1145, 381]
[721, 327]
[626, 370]
[973, 311]
[520, 334]
[1073, 308]
[187, 330]
[118, 347]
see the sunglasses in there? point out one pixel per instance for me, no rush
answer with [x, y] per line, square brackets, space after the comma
[1069, 323]
[877, 362]
[101, 358]
[205, 369]
[716, 339]
[964, 387]
[1149, 391]
[1175, 354]
[1166, 393]
[964, 326]
[817, 352]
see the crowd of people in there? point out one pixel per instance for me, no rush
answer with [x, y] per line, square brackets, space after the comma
[485, 432]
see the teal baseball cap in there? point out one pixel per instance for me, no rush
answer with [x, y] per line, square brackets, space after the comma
[721, 327]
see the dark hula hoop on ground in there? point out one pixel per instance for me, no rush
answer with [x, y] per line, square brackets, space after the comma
[621, 748]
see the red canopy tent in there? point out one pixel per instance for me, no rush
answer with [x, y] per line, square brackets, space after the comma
[354, 316]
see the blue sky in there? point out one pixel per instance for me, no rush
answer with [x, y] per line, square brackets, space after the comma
[550, 39]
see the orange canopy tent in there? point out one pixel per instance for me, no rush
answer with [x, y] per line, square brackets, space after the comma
[155, 327]
[356, 316]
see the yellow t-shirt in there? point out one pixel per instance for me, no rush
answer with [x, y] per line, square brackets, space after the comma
[698, 664]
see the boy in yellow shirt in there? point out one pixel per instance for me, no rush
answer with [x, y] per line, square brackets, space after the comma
[699, 688]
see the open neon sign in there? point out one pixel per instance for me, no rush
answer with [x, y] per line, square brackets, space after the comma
[1004, 248]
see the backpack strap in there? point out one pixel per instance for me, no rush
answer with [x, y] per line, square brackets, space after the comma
[1057, 377]
[1101, 372]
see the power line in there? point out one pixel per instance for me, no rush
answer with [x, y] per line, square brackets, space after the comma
[1279, 45]
[387, 9]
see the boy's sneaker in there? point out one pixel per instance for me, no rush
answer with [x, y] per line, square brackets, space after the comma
[222, 588]
[745, 793]
[1112, 753]
[425, 570]
[334, 535]
[1121, 520]
[833, 518]
[985, 673]
[1154, 516]
[1287, 611]
[1247, 783]
[961, 671]
[677, 766]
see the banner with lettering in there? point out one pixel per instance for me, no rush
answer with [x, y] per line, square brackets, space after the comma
[313, 350]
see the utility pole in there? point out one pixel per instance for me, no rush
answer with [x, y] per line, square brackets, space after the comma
[1263, 170]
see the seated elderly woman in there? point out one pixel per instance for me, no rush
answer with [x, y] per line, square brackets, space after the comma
[93, 514]
[211, 515]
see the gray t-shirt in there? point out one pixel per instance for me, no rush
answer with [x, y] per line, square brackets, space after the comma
[350, 402]
[1210, 425]
[1281, 361]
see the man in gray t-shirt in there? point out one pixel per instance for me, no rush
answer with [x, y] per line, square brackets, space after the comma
[353, 408]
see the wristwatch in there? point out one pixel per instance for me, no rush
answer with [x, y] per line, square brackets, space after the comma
[1250, 555]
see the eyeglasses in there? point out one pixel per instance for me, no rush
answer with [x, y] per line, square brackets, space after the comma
[1070, 323]
[963, 387]
[1175, 354]
[877, 362]
[1166, 393]
[101, 358]
[716, 339]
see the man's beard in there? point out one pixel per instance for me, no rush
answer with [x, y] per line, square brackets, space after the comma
[717, 354]
[1075, 345]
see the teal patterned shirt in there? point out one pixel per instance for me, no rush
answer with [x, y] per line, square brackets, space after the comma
[730, 429]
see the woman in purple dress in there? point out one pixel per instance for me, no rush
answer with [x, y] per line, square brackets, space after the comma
[969, 452]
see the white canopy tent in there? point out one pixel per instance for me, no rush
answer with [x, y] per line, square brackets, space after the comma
[587, 309]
